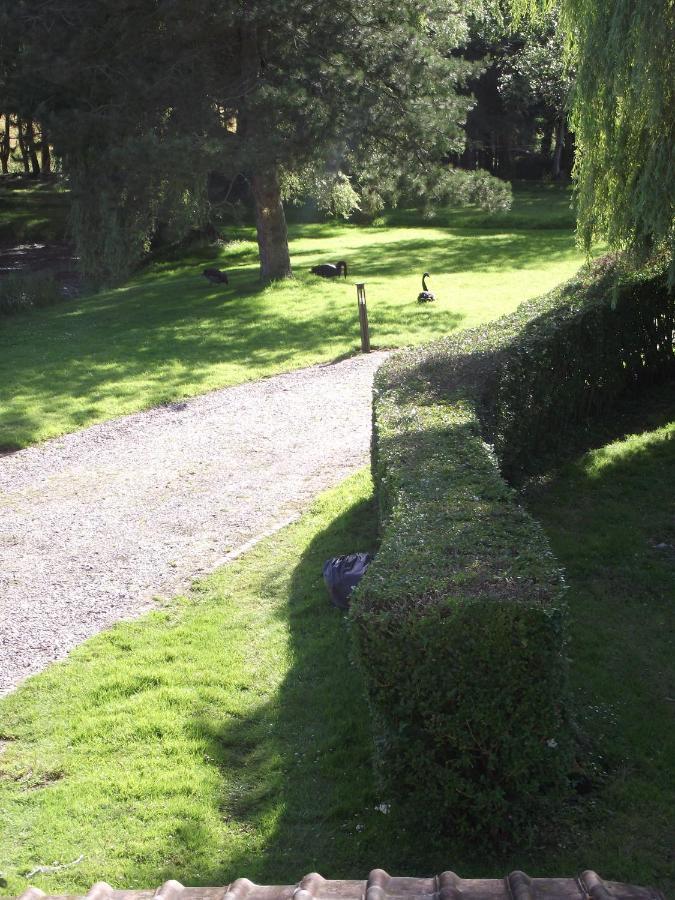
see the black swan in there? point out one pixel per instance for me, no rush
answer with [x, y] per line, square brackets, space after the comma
[215, 276]
[425, 296]
[330, 270]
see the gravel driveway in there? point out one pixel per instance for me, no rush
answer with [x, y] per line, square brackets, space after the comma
[96, 524]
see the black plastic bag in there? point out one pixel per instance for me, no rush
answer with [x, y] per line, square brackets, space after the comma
[342, 574]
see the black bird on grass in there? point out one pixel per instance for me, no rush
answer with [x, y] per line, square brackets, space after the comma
[425, 296]
[215, 276]
[330, 270]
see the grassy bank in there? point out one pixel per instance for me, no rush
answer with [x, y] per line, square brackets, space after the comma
[170, 334]
[610, 518]
[227, 735]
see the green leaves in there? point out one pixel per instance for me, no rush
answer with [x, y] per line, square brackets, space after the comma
[143, 102]
[622, 118]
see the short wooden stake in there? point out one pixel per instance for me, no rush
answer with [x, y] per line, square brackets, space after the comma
[363, 317]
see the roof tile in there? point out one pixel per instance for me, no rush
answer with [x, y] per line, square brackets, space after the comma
[382, 886]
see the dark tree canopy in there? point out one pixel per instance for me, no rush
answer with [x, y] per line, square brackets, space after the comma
[144, 98]
[518, 126]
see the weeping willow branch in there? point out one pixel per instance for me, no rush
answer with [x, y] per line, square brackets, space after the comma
[622, 113]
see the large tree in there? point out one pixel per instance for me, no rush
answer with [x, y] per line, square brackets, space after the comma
[518, 125]
[622, 114]
[145, 97]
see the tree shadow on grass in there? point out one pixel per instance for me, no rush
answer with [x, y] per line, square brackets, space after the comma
[32, 211]
[104, 351]
[471, 250]
[304, 761]
[162, 336]
[169, 362]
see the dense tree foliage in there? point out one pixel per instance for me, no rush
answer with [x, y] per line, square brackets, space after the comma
[518, 126]
[357, 101]
[623, 117]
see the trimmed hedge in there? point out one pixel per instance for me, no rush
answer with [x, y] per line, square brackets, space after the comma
[574, 362]
[459, 621]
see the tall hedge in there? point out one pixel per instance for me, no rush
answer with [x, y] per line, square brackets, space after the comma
[576, 361]
[459, 622]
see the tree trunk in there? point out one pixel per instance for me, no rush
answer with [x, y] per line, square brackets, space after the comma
[5, 146]
[45, 156]
[567, 158]
[275, 260]
[22, 145]
[31, 147]
[559, 144]
[547, 140]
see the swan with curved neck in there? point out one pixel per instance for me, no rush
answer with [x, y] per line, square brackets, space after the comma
[425, 296]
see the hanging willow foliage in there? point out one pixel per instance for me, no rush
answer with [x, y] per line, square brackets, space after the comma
[624, 119]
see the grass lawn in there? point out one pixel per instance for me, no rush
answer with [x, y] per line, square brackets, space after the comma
[227, 734]
[170, 334]
[610, 517]
[224, 735]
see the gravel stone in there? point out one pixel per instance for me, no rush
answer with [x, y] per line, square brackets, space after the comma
[95, 525]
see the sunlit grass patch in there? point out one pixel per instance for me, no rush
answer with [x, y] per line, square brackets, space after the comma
[170, 334]
[213, 738]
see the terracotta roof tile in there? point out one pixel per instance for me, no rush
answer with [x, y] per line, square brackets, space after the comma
[382, 886]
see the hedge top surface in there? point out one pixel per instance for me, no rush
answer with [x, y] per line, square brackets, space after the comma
[454, 532]
[459, 363]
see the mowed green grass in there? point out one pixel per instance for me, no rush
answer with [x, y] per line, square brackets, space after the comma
[227, 734]
[610, 517]
[170, 334]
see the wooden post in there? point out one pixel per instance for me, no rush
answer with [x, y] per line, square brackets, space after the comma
[363, 317]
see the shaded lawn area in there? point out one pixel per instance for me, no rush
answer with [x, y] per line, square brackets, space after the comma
[227, 734]
[32, 210]
[610, 517]
[535, 204]
[170, 334]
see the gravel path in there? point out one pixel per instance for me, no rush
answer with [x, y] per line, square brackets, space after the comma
[96, 524]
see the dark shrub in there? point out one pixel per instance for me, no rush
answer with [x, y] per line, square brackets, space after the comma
[23, 291]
